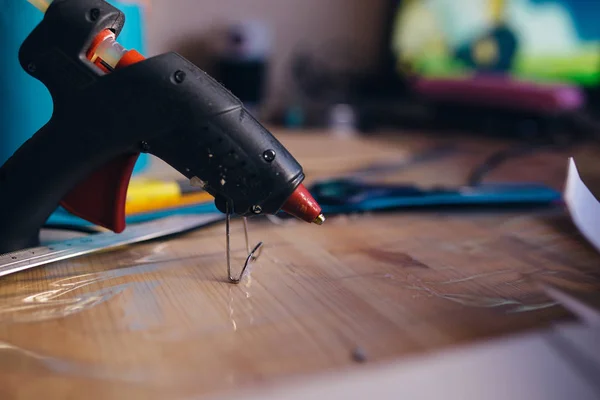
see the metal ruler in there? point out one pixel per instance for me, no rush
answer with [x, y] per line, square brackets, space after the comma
[36, 256]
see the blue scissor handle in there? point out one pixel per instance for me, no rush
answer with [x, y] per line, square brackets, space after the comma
[350, 191]
[348, 195]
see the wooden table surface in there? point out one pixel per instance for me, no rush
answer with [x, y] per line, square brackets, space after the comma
[158, 320]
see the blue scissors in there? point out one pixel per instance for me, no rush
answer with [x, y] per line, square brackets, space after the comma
[353, 195]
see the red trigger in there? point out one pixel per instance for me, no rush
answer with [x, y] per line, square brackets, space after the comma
[100, 199]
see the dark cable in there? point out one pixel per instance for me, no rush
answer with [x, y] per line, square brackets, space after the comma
[498, 158]
[589, 127]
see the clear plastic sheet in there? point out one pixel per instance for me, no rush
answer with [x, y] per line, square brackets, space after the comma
[160, 320]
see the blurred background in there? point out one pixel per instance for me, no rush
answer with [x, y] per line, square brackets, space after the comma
[365, 65]
[527, 68]
[291, 61]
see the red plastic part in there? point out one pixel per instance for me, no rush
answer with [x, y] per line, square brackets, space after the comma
[129, 58]
[302, 205]
[100, 199]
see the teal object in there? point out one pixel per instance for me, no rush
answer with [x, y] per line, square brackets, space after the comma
[339, 196]
[61, 217]
[26, 103]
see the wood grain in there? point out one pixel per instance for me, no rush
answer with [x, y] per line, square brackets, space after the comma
[158, 320]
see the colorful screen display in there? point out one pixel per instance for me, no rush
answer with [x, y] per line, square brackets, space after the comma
[536, 40]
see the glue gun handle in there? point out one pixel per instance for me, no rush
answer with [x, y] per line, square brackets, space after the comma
[29, 194]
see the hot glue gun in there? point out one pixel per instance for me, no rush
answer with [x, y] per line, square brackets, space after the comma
[110, 105]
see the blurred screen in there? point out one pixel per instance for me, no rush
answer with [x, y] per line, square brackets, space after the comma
[539, 40]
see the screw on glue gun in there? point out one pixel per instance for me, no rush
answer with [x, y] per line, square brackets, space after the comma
[110, 104]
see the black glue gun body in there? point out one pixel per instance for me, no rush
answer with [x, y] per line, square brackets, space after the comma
[83, 157]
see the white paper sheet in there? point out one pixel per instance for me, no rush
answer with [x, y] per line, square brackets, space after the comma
[583, 206]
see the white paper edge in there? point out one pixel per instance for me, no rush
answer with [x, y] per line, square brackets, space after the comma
[583, 207]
